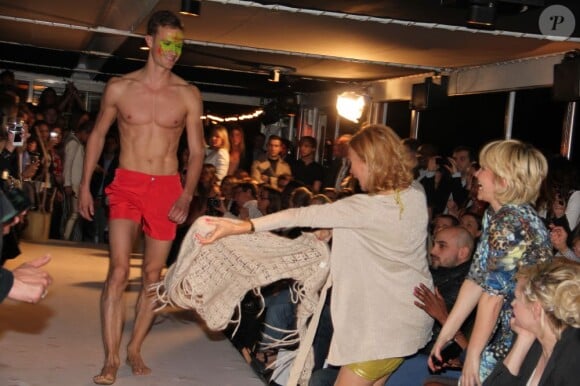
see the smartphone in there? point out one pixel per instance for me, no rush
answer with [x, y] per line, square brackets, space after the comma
[450, 350]
[16, 128]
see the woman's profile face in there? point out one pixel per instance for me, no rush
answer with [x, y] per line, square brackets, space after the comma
[358, 168]
[216, 140]
[523, 316]
[487, 186]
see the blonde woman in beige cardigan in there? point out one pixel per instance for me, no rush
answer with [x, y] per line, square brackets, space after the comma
[378, 256]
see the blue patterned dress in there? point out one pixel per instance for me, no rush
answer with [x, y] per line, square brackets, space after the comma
[512, 237]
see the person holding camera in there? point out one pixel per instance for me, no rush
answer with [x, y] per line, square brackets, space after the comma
[441, 179]
[27, 282]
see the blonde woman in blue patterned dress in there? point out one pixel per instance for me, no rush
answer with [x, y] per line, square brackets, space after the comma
[513, 236]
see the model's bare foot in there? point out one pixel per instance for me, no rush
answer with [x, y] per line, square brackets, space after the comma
[138, 367]
[108, 375]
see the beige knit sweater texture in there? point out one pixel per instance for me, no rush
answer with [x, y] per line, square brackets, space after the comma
[378, 256]
[212, 279]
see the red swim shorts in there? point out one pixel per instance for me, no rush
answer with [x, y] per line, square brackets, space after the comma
[145, 199]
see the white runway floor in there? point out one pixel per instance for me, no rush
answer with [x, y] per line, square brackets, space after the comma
[57, 342]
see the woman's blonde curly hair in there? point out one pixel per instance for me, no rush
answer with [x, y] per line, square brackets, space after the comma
[385, 156]
[556, 286]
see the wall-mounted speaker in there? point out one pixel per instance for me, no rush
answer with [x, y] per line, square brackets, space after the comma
[567, 78]
[428, 95]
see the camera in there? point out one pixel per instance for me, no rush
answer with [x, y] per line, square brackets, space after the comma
[450, 350]
[53, 134]
[34, 158]
[17, 128]
[442, 162]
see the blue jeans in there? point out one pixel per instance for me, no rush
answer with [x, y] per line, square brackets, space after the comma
[280, 313]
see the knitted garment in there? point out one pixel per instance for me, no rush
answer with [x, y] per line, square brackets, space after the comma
[212, 279]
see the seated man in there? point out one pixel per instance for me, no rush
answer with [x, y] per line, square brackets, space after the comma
[450, 261]
[268, 167]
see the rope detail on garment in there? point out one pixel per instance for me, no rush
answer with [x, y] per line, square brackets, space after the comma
[213, 279]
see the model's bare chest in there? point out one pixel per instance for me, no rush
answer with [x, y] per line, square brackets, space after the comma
[142, 106]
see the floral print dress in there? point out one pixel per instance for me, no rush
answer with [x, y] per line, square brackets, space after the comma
[512, 237]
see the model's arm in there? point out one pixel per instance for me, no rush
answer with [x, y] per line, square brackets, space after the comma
[95, 143]
[178, 213]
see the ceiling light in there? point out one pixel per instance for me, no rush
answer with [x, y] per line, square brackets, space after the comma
[274, 75]
[190, 7]
[350, 105]
[482, 14]
[274, 71]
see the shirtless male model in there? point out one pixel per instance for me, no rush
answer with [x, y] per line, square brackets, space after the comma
[152, 106]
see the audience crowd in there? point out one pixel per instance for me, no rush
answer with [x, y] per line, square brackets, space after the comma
[494, 226]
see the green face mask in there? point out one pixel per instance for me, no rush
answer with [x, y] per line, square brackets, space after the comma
[171, 45]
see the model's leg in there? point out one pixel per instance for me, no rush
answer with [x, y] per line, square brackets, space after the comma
[156, 252]
[123, 234]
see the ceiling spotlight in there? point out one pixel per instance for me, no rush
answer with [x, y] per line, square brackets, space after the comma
[350, 105]
[274, 75]
[190, 7]
[482, 14]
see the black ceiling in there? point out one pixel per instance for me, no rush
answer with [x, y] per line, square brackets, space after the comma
[233, 44]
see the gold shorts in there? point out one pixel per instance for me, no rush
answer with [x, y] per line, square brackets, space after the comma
[374, 370]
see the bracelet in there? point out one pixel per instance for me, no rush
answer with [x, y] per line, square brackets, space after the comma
[252, 228]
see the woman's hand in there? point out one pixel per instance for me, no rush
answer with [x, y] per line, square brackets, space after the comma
[323, 234]
[470, 371]
[223, 227]
[522, 333]
[436, 352]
